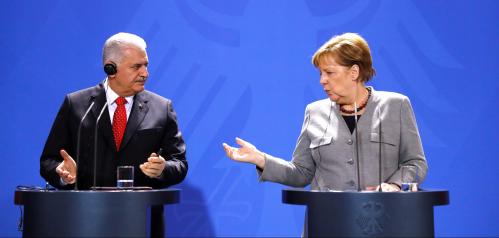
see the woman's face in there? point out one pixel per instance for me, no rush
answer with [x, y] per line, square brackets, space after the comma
[338, 81]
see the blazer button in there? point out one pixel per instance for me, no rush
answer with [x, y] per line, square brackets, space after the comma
[350, 142]
[350, 161]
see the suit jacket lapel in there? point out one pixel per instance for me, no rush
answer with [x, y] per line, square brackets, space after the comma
[139, 111]
[105, 128]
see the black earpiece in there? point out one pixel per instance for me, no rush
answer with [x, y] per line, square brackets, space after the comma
[110, 68]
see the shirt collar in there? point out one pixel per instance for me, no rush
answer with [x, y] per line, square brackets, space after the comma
[111, 95]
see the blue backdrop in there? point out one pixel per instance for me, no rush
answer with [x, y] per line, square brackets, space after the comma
[242, 68]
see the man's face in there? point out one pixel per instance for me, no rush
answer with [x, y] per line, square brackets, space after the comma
[132, 72]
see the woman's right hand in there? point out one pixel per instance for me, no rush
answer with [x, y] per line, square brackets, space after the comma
[246, 153]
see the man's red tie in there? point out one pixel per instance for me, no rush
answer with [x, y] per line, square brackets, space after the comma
[119, 121]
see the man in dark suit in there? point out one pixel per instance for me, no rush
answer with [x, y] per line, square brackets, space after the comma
[134, 127]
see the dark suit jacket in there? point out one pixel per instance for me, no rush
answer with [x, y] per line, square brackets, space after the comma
[152, 125]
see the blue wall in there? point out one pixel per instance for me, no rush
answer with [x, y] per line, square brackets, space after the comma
[242, 68]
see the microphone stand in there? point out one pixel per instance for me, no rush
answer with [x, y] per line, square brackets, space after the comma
[379, 161]
[95, 142]
[78, 138]
[357, 144]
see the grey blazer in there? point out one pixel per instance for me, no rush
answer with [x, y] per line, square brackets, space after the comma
[325, 154]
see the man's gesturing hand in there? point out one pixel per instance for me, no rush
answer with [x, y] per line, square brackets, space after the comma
[67, 169]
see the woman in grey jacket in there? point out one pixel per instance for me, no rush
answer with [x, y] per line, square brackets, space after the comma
[347, 137]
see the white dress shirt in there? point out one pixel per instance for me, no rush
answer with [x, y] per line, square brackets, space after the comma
[111, 97]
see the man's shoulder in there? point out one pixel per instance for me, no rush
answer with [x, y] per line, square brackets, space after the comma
[153, 97]
[87, 92]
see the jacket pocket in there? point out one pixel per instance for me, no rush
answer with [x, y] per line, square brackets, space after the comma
[149, 131]
[320, 141]
[386, 138]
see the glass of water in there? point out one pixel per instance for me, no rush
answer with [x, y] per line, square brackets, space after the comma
[124, 176]
[410, 178]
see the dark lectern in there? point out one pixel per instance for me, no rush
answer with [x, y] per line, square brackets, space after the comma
[115, 213]
[382, 214]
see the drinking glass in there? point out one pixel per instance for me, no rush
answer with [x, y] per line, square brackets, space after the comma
[124, 176]
[410, 178]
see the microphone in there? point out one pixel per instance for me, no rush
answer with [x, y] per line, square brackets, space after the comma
[78, 138]
[321, 186]
[96, 140]
[357, 137]
[357, 142]
[379, 161]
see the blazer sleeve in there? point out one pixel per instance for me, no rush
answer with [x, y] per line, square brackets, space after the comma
[411, 149]
[59, 138]
[298, 172]
[174, 152]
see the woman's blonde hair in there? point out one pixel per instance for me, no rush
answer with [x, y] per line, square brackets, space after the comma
[347, 49]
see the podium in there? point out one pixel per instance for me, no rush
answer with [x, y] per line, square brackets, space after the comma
[373, 214]
[114, 213]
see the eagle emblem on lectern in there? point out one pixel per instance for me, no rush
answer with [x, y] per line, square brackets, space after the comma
[372, 218]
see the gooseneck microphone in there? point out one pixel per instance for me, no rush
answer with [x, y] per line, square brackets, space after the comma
[321, 186]
[357, 142]
[96, 141]
[379, 161]
[78, 138]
